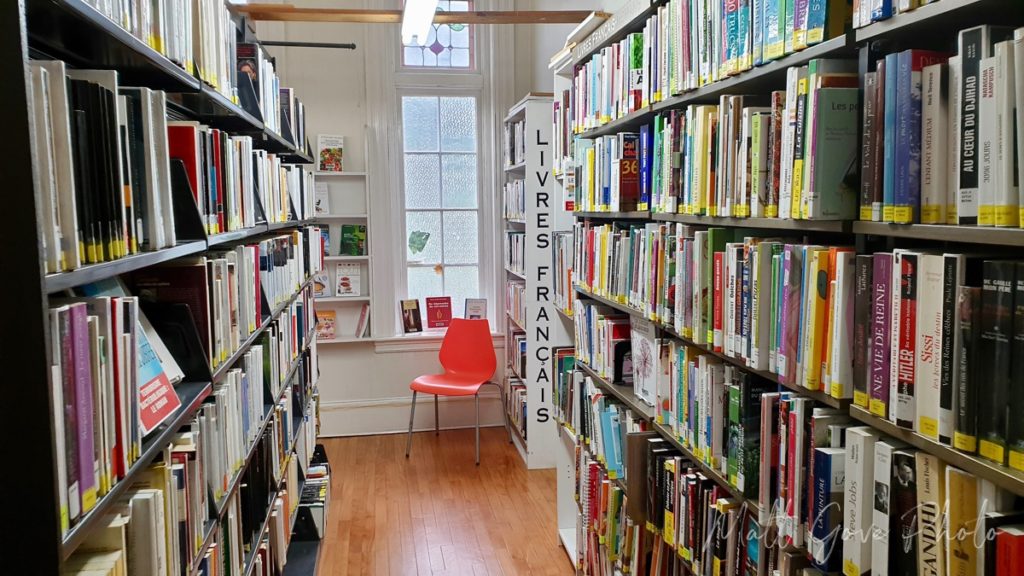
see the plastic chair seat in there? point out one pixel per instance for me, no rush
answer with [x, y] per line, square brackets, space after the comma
[448, 384]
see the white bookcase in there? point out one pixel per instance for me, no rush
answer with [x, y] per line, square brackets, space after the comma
[536, 434]
[348, 204]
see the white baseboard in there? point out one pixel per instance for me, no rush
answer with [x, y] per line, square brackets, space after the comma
[391, 415]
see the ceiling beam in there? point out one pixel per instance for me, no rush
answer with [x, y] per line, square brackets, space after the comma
[290, 13]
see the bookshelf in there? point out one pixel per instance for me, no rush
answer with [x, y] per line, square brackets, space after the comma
[934, 26]
[529, 319]
[347, 208]
[76, 33]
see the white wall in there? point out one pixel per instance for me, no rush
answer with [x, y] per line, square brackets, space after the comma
[364, 387]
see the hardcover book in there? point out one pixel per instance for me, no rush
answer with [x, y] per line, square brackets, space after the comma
[353, 240]
[411, 320]
[326, 324]
[439, 311]
[995, 351]
[330, 152]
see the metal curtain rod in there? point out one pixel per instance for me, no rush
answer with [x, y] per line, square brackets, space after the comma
[289, 44]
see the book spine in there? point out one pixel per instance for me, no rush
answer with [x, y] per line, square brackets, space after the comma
[988, 140]
[931, 524]
[903, 514]
[934, 114]
[881, 514]
[826, 519]
[858, 492]
[880, 335]
[907, 354]
[719, 301]
[1018, 89]
[867, 146]
[953, 132]
[862, 313]
[844, 345]
[84, 415]
[890, 128]
[1005, 209]
[994, 361]
[877, 173]
[906, 187]
[962, 521]
[929, 336]
[972, 47]
[965, 434]
[952, 278]
[1015, 426]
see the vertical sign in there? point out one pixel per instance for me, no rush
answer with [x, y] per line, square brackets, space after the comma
[541, 317]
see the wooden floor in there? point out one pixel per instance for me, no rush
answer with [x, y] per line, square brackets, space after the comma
[437, 512]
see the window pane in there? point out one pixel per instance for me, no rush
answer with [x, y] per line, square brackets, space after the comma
[423, 282]
[460, 58]
[458, 176]
[422, 181]
[423, 237]
[461, 282]
[412, 56]
[460, 238]
[447, 45]
[458, 124]
[419, 123]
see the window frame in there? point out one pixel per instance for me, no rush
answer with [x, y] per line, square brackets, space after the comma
[484, 203]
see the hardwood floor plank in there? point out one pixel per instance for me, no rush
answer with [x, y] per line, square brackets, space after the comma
[437, 513]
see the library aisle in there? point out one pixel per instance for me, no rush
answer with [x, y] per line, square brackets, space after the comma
[438, 513]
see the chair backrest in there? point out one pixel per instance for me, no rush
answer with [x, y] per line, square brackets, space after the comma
[467, 348]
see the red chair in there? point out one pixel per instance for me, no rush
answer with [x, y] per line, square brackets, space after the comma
[467, 357]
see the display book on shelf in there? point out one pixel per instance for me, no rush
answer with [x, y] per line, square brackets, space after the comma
[189, 363]
[925, 455]
[531, 219]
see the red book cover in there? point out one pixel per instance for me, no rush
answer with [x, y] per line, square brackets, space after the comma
[717, 300]
[905, 409]
[1009, 550]
[439, 311]
[183, 145]
[629, 172]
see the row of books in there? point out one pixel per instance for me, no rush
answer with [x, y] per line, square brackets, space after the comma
[107, 184]
[514, 199]
[937, 140]
[686, 45]
[228, 293]
[159, 526]
[866, 12]
[198, 35]
[515, 400]
[515, 251]
[514, 143]
[515, 302]
[792, 155]
[515, 353]
[561, 133]
[606, 538]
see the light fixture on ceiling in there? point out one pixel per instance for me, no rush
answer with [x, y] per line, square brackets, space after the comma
[417, 16]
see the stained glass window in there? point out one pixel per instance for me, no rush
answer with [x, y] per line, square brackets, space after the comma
[448, 45]
[441, 191]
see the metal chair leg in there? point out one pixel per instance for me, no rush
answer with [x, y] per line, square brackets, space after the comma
[412, 414]
[437, 420]
[477, 399]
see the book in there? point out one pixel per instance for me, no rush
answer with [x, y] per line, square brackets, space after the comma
[329, 152]
[858, 528]
[962, 522]
[968, 374]
[322, 286]
[439, 311]
[884, 517]
[931, 511]
[476, 308]
[1015, 429]
[994, 353]
[862, 314]
[903, 513]
[347, 280]
[411, 320]
[353, 240]
[322, 199]
[880, 335]
[326, 324]
[934, 142]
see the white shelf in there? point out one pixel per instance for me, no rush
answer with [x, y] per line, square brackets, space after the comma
[516, 274]
[516, 167]
[341, 216]
[342, 299]
[346, 258]
[568, 538]
[345, 340]
[340, 174]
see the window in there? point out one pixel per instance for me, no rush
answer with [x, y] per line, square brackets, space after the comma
[441, 198]
[448, 45]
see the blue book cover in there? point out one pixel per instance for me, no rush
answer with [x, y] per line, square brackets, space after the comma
[606, 172]
[757, 25]
[789, 31]
[615, 460]
[826, 526]
[646, 149]
[817, 12]
[889, 138]
[881, 9]
[606, 437]
[731, 34]
[744, 52]
[907, 195]
[774, 28]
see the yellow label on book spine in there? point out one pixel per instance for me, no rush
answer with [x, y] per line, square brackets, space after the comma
[985, 215]
[964, 442]
[1017, 460]
[887, 213]
[1005, 216]
[88, 500]
[931, 214]
[992, 451]
[865, 213]
[903, 214]
[951, 214]
[929, 427]
[860, 399]
[771, 211]
[850, 568]
[878, 408]
[65, 519]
